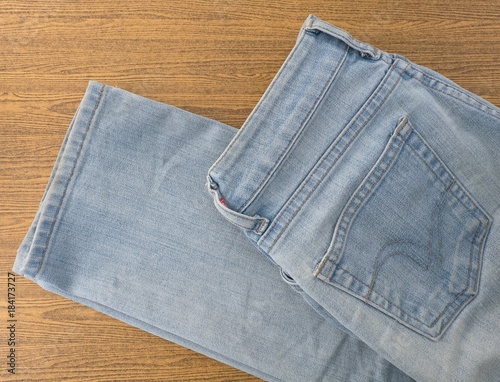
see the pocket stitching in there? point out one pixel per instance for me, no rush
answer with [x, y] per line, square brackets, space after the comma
[458, 192]
[474, 242]
[389, 309]
[363, 187]
[390, 304]
[326, 161]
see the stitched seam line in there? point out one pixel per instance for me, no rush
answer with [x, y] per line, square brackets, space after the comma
[237, 215]
[301, 128]
[346, 38]
[390, 304]
[246, 227]
[476, 241]
[259, 104]
[493, 112]
[436, 210]
[70, 176]
[327, 154]
[460, 192]
[453, 181]
[321, 179]
[239, 225]
[335, 264]
[387, 161]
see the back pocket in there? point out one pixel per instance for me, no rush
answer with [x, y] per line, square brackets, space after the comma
[410, 239]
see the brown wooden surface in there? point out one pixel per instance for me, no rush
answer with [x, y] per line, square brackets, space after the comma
[213, 58]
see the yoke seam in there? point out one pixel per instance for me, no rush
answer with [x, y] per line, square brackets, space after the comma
[324, 159]
[492, 112]
[257, 107]
[303, 124]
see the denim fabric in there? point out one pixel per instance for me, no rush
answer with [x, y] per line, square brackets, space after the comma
[370, 183]
[374, 183]
[126, 227]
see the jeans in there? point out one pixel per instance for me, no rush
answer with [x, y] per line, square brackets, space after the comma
[353, 236]
[127, 228]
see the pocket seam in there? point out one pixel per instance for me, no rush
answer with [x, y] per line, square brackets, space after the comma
[390, 304]
[452, 187]
[331, 156]
[399, 138]
[371, 291]
[460, 192]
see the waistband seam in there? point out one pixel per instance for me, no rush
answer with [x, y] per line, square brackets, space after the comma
[275, 222]
[315, 24]
[303, 124]
[366, 49]
[261, 101]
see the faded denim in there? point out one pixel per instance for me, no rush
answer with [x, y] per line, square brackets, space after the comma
[127, 228]
[374, 183]
[366, 183]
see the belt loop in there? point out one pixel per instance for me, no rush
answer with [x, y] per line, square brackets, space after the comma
[313, 23]
[255, 223]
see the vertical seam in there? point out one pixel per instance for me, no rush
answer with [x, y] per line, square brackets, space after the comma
[358, 199]
[70, 176]
[258, 106]
[301, 128]
[324, 159]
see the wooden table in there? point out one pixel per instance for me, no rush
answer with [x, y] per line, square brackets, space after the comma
[213, 58]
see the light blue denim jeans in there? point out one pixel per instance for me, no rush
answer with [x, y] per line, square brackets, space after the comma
[366, 183]
[127, 228]
[374, 183]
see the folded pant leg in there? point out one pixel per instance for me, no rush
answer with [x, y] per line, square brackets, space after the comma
[127, 228]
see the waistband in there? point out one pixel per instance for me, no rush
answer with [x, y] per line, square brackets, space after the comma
[286, 114]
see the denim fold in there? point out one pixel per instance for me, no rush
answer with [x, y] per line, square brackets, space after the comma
[379, 180]
[349, 231]
[125, 227]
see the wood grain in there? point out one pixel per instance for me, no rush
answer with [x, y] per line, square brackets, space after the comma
[214, 58]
